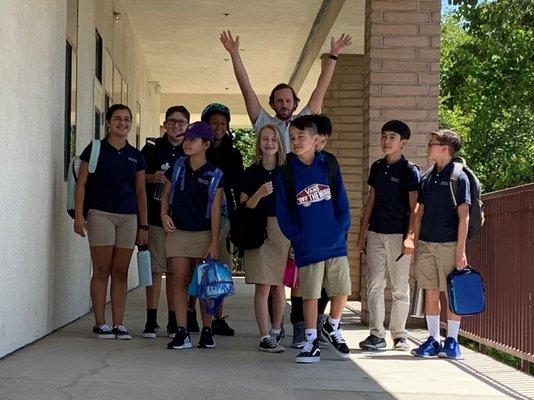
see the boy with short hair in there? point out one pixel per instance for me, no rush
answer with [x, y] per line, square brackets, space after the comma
[441, 229]
[316, 221]
[388, 225]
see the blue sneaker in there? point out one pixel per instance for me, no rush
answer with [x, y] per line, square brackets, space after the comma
[450, 349]
[430, 348]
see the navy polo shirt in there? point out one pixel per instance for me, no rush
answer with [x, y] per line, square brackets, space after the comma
[156, 155]
[255, 176]
[392, 183]
[113, 182]
[190, 204]
[440, 218]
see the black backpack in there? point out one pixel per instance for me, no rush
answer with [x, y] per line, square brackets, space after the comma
[476, 211]
[332, 167]
[248, 230]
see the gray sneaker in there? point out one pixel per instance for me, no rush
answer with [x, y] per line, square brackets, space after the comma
[299, 336]
[373, 343]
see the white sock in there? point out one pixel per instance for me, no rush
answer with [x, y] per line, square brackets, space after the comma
[265, 337]
[275, 331]
[311, 334]
[453, 327]
[432, 321]
[334, 322]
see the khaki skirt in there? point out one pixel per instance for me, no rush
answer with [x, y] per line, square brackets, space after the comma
[190, 244]
[266, 264]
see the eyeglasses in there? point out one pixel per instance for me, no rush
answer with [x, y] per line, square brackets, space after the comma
[430, 144]
[179, 122]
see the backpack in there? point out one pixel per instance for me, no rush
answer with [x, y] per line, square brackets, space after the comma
[248, 230]
[211, 282]
[72, 178]
[476, 211]
[178, 173]
[332, 169]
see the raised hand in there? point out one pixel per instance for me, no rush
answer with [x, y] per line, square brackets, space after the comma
[229, 43]
[336, 46]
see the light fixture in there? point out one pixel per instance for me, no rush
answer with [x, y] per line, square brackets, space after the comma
[156, 86]
[116, 15]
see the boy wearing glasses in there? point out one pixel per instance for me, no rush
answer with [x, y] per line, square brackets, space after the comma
[387, 236]
[441, 233]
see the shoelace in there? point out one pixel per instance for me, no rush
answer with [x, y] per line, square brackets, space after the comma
[121, 329]
[308, 346]
[336, 334]
[104, 328]
[271, 340]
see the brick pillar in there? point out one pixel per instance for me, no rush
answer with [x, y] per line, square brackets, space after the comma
[402, 50]
[344, 105]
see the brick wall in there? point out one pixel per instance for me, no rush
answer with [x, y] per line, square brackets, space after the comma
[402, 49]
[344, 105]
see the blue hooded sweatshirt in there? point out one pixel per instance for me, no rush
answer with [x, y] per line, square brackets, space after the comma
[319, 229]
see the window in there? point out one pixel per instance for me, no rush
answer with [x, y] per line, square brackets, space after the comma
[70, 108]
[99, 57]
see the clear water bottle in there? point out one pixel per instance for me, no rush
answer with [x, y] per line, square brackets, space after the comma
[158, 191]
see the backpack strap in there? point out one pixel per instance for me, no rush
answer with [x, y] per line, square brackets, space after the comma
[332, 169]
[216, 176]
[177, 173]
[425, 178]
[95, 153]
[453, 181]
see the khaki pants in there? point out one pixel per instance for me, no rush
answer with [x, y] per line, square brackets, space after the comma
[382, 251]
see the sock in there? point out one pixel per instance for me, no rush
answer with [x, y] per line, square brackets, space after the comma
[264, 337]
[311, 334]
[453, 327]
[334, 322]
[432, 322]
[151, 316]
[172, 318]
[276, 331]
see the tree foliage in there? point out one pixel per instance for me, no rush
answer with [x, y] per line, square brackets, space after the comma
[486, 93]
[245, 142]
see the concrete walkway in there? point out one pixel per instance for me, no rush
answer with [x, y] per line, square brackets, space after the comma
[69, 364]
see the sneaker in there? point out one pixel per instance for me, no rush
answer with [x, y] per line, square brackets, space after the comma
[336, 339]
[450, 349]
[103, 332]
[192, 324]
[206, 339]
[220, 327]
[150, 331]
[401, 344]
[270, 345]
[181, 340]
[121, 332]
[171, 331]
[299, 336]
[277, 337]
[373, 343]
[430, 348]
[310, 353]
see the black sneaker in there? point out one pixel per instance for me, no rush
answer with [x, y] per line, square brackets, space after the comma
[270, 345]
[206, 339]
[278, 337]
[103, 332]
[221, 327]
[121, 333]
[192, 324]
[309, 354]
[150, 331]
[336, 339]
[181, 341]
[171, 331]
[373, 343]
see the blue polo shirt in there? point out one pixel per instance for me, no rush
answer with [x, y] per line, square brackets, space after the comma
[440, 218]
[190, 204]
[112, 187]
[255, 176]
[392, 183]
[156, 155]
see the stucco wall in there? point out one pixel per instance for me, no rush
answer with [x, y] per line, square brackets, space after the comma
[45, 269]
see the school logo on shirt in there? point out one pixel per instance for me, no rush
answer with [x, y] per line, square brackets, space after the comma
[313, 194]
[132, 159]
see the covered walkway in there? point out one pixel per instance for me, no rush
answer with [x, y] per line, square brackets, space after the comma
[69, 364]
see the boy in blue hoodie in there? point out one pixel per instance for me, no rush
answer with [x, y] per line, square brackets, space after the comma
[316, 220]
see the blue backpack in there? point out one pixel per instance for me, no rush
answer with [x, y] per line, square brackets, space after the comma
[211, 282]
[178, 174]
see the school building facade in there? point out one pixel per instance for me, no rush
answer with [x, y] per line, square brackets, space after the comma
[65, 61]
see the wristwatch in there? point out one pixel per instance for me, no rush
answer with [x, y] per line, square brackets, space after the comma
[143, 227]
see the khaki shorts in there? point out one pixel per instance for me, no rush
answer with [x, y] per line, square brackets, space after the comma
[190, 244]
[332, 274]
[156, 247]
[111, 229]
[434, 262]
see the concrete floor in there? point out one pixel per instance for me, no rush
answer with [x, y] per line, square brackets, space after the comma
[69, 364]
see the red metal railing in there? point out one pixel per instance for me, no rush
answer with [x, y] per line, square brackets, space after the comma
[504, 254]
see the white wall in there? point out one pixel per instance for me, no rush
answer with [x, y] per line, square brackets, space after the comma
[44, 268]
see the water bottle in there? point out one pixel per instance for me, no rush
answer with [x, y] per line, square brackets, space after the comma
[144, 266]
[158, 191]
